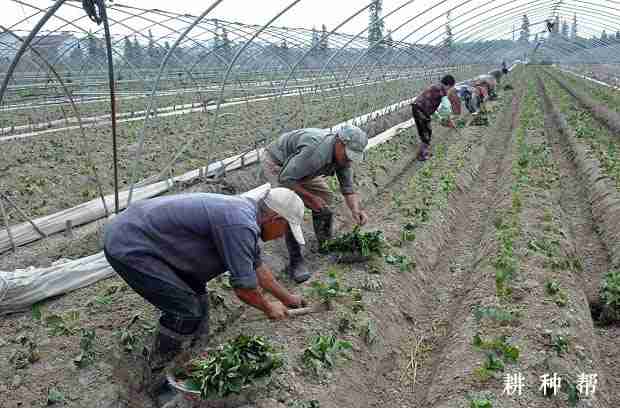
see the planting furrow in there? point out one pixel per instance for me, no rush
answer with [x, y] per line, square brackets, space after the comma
[575, 199]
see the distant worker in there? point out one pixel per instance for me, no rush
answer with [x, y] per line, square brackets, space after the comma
[471, 96]
[168, 248]
[504, 68]
[426, 104]
[497, 74]
[300, 160]
[489, 82]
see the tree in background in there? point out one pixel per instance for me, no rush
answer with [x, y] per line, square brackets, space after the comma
[315, 38]
[604, 37]
[151, 51]
[128, 50]
[389, 41]
[375, 23]
[137, 52]
[323, 41]
[524, 36]
[96, 52]
[448, 42]
[76, 55]
[573, 30]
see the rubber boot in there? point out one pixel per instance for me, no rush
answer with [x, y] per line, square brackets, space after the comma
[323, 223]
[297, 269]
[423, 152]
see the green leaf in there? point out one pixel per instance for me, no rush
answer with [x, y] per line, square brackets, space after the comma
[54, 395]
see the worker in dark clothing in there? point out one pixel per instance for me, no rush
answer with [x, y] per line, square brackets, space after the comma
[168, 248]
[426, 104]
[300, 160]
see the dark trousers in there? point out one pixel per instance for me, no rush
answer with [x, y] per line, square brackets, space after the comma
[422, 123]
[182, 311]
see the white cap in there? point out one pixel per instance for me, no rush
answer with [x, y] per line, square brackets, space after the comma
[286, 203]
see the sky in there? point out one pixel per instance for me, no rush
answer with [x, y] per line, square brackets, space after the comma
[427, 19]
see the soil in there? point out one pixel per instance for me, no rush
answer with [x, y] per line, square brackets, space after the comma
[412, 333]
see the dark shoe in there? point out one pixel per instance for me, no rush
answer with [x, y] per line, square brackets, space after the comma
[323, 222]
[423, 152]
[297, 269]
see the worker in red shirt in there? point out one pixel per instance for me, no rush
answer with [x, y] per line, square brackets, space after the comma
[426, 104]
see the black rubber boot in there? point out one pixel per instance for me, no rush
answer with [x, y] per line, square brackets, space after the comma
[323, 222]
[297, 269]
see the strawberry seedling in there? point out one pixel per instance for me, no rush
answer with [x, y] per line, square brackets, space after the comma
[365, 244]
[323, 352]
[231, 367]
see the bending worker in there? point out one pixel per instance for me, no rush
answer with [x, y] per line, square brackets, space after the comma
[168, 248]
[426, 104]
[299, 160]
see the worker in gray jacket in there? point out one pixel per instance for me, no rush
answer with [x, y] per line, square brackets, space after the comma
[299, 160]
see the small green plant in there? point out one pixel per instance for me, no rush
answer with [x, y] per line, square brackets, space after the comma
[364, 243]
[372, 285]
[480, 403]
[27, 354]
[610, 290]
[327, 290]
[404, 263]
[368, 331]
[126, 338]
[495, 313]
[560, 344]
[87, 345]
[560, 297]
[408, 232]
[233, 366]
[303, 404]
[499, 346]
[489, 367]
[323, 351]
[54, 395]
[66, 324]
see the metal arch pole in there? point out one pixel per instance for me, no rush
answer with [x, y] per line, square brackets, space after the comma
[50, 12]
[154, 91]
[111, 82]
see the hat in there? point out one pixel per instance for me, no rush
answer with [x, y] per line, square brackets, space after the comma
[285, 202]
[355, 141]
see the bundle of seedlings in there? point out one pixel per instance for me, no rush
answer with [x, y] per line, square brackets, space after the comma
[230, 369]
[355, 246]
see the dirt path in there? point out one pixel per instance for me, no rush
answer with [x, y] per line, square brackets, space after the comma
[573, 199]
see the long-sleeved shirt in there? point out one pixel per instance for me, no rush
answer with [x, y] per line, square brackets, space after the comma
[200, 235]
[430, 99]
[307, 153]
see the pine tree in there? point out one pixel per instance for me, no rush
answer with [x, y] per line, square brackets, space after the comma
[556, 25]
[76, 55]
[375, 23]
[525, 30]
[618, 36]
[449, 38]
[604, 36]
[137, 52]
[128, 50]
[323, 41]
[389, 41]
[573, 31]
[226, 45]
[151, 51]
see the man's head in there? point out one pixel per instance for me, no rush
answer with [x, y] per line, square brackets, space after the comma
[279, 209]
[350, 145]
[448, 81]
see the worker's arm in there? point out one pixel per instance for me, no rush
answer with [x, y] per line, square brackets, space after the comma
[267, 281]
[455, 101]
[353, 203]
[311, 200]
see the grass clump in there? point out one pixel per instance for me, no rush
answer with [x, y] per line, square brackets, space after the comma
[610, 291]
[232, 367]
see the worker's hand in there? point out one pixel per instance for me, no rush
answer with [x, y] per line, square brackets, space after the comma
[295, 302]
[360, 217]
[276, 311]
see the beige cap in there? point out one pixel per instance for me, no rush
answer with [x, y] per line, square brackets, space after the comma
[286, 203]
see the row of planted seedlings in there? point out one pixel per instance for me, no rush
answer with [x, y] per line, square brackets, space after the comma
[595, 151]
[355, 292]
[604, 94]
[528, 331]
[459, 369]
